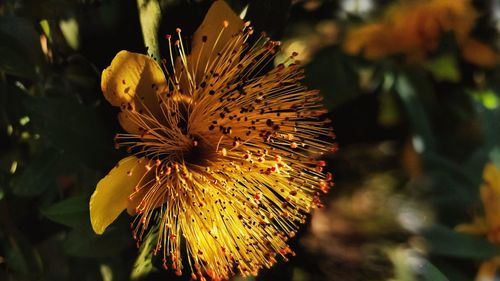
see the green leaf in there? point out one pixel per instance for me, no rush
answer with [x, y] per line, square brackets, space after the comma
[72, 212]
[44, 24]
[70, 30]
[428, 272]
[38, 176]
[86, 244]
[494, 156]
[150, 17]
[451, 270]
[490, 126]
[73, 128]
[443, 241]
[332, 73]
[487, 98]
[444, 68]
[407, 89]
[13, 59]
[20, 51]
[21, 256]
[143, 265]
[11, 104]
[269, 16]
[389, 114]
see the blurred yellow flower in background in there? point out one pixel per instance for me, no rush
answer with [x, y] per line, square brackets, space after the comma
[414, 29]
[489, 225]
[224, 153]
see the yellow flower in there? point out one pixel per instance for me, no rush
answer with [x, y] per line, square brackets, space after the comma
[488, 226]
[414, 29]
[222, 152]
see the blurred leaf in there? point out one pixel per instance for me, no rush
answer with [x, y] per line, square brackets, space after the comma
[38, 176]
[72, 212]
[407, 89]
[72, 127]
[332, 73]
[487, 98]
[444, 68]
[150, 17]
[436, 162]
[269, 16]
[143, 265]
[13, 59]
[87, 244]
[25, 38]
[21, 256]
[490, 125]
[389, 114]
[428, 272]
[44, 24]
[10, 102]
[495, 156]
[450, 270]
[449, 191]
[443, 241]
[15, 257]
[400, 258]
[70, 30]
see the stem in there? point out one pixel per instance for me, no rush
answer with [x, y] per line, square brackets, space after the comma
[150, 16]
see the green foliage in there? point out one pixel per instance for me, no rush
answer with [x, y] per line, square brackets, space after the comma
[85, 244]
[143, 265]
[443, 241]
[72, 212]
[444, 68]
[431, 273]
[20, 53]
[38, 176]
[79, 134]
[332, 72]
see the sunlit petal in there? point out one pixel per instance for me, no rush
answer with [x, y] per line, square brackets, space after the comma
[112, 192]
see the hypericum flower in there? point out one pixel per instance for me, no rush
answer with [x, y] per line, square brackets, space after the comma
[223, 152]
[489, 226]
[414, 29]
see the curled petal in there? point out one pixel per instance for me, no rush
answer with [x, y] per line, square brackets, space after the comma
[132, 82]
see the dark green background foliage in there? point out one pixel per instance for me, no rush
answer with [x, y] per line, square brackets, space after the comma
[413, 143]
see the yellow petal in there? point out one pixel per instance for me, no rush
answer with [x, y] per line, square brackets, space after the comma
[490, 195]
[211, 26]
[488, 270]
[491, 176]
[124, 118]
[477, 227]
[133, 81]
[112, 193]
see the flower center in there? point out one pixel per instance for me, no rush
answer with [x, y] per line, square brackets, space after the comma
[199, 153]
[169, 140]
